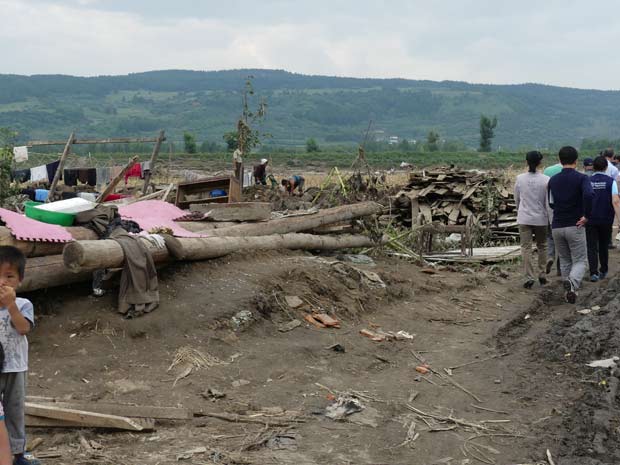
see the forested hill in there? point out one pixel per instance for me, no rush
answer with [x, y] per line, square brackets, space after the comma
[330, 109]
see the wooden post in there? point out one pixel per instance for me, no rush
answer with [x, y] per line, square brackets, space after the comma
[147, 175]
[61, 165]
[116, 180]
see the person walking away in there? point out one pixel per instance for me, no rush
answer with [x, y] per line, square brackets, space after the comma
[588, 168]
[260, 172]
[605, 207]
[611, 170]
[570, 197]
[551, 171]
[531, 198]
[16, 320]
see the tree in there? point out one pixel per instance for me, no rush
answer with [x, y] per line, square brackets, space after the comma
[486, 132]
[432, 141]
[245, 137]
[7, 141]
[190, 142]
[312, 146]
[404, 146]
[209, 147]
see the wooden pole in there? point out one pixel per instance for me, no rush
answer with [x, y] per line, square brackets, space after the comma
[147, 175]
[301, 223]
[116, 180]
[44, 272]
[39, 248]
[61, 165]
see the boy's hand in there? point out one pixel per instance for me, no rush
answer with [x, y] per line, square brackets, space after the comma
[7, 296]
[582, 221]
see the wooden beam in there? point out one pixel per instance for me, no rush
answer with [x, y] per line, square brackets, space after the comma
[147, 175]
[83, 418]
[108, 190]
[131, 411]
[61, 165]
[148, 424]
[239, 211]
[111, 140]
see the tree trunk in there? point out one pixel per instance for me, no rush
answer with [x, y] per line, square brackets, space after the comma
[83, 256]
[202, 248]
[40, 249]
[44, 272]
[301, 223]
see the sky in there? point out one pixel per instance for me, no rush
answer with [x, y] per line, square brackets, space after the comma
[572, 43]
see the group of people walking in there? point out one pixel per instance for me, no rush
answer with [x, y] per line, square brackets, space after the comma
[569, 215]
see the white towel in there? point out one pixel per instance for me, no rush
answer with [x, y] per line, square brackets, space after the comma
[20, 154]
[39, 173]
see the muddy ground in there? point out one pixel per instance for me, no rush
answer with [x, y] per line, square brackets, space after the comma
[520, 355]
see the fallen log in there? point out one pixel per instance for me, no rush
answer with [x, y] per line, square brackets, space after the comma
[301, 223]
[81, 256]
[238, 211]
[201, 248]
[44, 272]
[41, 249]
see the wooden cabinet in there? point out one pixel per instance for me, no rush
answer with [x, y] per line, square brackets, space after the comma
[202, 191]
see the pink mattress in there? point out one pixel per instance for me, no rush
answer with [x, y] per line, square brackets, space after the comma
[151, 214]
[27, 229]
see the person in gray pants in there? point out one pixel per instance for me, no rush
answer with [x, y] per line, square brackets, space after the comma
[570, 197]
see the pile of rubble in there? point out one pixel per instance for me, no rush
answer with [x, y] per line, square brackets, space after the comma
[452, 196]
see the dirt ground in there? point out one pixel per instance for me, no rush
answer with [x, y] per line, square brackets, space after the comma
[520, 355]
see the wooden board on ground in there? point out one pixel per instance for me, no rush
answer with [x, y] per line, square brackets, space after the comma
[131, 411]
[84, 418]
[148, 424]
[480, 255]
[239, 211]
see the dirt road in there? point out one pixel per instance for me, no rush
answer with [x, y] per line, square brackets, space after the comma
[513, 390]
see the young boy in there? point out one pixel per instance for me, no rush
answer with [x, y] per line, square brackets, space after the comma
[16, 320]
[570, 197]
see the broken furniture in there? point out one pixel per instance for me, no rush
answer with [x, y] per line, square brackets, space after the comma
[203, 191]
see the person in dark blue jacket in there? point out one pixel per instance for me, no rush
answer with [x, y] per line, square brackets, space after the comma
[570, 197]
[605, 207]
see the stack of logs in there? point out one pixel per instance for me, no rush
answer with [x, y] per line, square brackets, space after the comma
[450, 196]
[55, 264]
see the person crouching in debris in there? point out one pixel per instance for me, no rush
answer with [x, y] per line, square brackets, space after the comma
[605, 207]
[294, 182]
[16, 320]
[532, 217]
[570, 197]
[260, 172]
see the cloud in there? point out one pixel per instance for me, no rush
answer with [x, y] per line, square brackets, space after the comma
[568, 43]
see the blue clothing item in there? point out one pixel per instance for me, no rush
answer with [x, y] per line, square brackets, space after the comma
[602, 208]
[40, 195]
[297, 179]
[15, 345]
[570, 197]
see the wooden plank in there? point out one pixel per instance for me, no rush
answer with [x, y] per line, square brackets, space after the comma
[130, 411]
[83, 418]
[61, 166]
[147, 175]
[110, 140]
[239, 211]
[148, 424]
[108, 190]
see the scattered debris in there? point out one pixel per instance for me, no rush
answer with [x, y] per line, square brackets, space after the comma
[242, 318]
[605, 363]
[336, 348]
[213, 394]
[291, 325]
[240, 382]
[293, 301]
[343, 407]
[190, 453]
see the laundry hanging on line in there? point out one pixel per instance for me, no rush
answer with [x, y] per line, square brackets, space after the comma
[20, 154]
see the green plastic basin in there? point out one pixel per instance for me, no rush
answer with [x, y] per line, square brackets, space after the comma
[61, 219]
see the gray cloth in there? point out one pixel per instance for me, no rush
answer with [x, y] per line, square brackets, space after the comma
[539, 233]
[531, 199]
[550, 243]
[103, 175]
[138, 292]
[13, 390]
[570, 244]
[98, 218]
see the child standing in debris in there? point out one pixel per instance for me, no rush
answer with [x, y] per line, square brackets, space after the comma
[532, 217]
[16, 320]
[570, 197]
